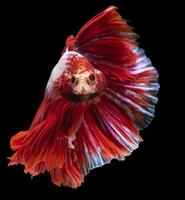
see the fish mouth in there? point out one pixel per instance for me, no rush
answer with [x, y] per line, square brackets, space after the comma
[79, 98]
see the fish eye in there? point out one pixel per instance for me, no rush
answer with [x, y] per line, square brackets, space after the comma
[73, 79]
[92, 77]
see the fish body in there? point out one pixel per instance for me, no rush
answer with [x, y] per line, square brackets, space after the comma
[100, 94]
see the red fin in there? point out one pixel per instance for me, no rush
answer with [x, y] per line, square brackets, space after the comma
[136, 94]
[17, 140]
[103, 136]
[48, 144]
[107, 41]
[106, 23]
[110, 44]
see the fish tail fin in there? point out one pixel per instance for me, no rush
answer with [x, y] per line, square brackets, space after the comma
[111, 46]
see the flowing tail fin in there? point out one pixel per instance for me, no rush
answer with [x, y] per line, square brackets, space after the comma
[132, 82]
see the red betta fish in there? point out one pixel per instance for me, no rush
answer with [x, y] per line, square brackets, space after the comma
[99, 95]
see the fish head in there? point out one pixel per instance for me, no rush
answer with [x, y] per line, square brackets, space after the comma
[80, 81]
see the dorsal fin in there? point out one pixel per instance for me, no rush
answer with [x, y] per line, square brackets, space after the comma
[107, 23]
[107, 41]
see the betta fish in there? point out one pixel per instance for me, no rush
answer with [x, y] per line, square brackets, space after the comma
[100, 94]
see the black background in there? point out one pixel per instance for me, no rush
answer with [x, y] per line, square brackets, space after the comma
[33, 35]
